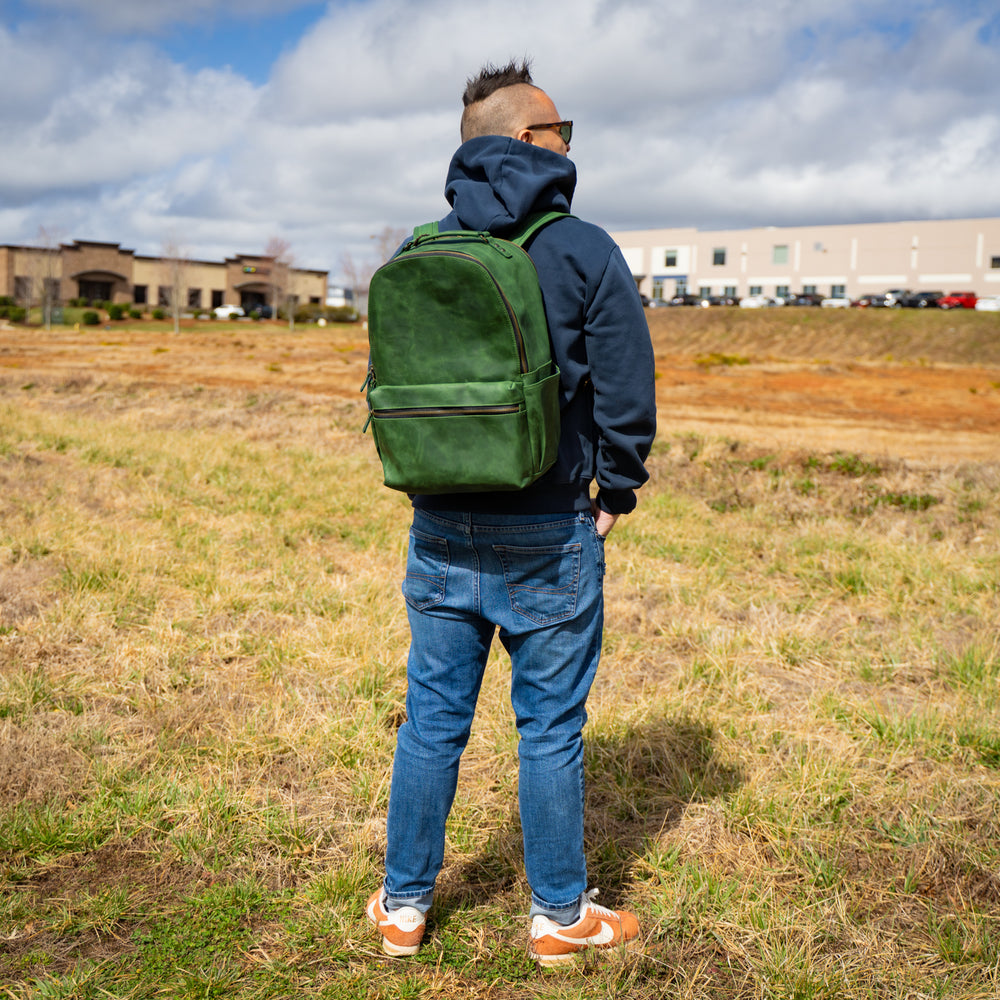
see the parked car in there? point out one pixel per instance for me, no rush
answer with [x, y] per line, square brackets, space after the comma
[262, 309]
[871, 302]
[958, 300]
[836, 302]
[894, 297]
[804, 299]
[227, 312]
[988, 303]
[756, 302]
[922, 300]
[685, 300]
[658, 303]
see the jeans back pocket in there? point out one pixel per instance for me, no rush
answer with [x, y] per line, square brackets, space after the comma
[542, 580]
[426, 570]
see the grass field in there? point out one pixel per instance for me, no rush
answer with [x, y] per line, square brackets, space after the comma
[793, 751]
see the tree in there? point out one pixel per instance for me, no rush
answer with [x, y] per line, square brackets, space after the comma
[49, 240]
[282, 290]
[173, 269]
[359, 273]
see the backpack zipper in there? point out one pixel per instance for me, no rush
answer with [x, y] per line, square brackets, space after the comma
[445, 411]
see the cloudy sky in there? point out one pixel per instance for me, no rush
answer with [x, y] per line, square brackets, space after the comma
[217, 124]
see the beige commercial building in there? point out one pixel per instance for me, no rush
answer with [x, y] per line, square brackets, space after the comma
[105, 272]
[941, 255]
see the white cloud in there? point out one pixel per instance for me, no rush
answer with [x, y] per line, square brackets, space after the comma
[709, 114]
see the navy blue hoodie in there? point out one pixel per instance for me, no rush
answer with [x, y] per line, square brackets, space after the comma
[600, 339]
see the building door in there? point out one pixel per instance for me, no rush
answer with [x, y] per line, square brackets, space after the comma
[95, 291]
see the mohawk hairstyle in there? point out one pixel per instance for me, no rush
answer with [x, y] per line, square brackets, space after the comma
[492, 78]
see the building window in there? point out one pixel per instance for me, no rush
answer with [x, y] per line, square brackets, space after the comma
[194, 298]
[781, 291]
[682, 287]
[995, 262]
[838, 291]
[808, 289]
[779, 253]
[22, 288]
[756, 289]
[729, 291]
[669, 258]
[658, 287]
[217, 297]
[314, 300]
[50, 289]
[140, 294]
[705, 292]
[163, 296]
[719, 257]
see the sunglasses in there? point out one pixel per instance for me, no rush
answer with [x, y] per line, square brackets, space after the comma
[565, 129]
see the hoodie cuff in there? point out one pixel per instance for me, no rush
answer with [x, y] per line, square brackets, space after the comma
[616, 501]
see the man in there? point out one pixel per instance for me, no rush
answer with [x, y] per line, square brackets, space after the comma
[531, 562]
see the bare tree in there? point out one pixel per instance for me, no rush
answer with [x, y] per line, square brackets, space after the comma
[282, 290]
[387, 242]
[173, 269]
[49, 240]
[359, 273]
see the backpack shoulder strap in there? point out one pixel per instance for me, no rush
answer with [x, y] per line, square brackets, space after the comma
[536, 222]
[428, 229]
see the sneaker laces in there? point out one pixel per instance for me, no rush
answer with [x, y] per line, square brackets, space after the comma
[604, 911]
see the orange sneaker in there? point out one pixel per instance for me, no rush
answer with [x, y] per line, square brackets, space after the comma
[402, 930]
[553, 944]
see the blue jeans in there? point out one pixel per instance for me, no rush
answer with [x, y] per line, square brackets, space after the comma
[539, 579]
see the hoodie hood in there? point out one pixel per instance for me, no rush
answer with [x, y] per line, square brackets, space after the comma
[495, 182]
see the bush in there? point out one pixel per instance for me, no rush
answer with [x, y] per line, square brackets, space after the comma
[158, 314]
[91, 318]
[6, 300]
[116, 311]
[135, 313]
[312, 311]
[16, 314]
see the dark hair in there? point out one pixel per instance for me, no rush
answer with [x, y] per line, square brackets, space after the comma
[492, 78]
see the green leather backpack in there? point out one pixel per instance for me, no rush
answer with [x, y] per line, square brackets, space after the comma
[462, 390]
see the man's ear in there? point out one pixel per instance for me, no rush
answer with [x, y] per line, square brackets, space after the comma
[525, 136]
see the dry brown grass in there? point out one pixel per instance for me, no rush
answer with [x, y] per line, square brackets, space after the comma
[793, 761]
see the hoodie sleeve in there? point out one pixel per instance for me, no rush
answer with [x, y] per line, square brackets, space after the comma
[620, 358]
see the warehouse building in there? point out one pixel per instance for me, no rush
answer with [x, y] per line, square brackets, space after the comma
[105, 272]
[853, 260]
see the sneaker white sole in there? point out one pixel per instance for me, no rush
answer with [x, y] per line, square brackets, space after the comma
[568, 959]
[399, 950]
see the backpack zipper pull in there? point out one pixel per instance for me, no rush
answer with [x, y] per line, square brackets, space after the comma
[369, 382]
[497, 245]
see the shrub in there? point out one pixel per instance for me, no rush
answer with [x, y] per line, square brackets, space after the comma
[158, 313]
[312, 311]
[91, 318]
[16, 314]
[116, 311]
[135, 313]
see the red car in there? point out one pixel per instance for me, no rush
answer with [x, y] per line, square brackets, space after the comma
[958, 300]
